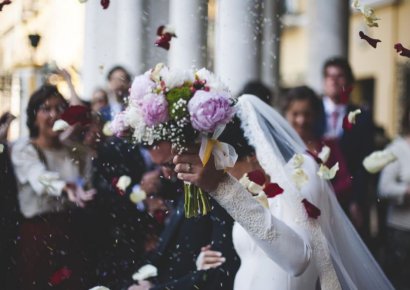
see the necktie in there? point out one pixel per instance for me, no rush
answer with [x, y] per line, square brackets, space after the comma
[335, 118]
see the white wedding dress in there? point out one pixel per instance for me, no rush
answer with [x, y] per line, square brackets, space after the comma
[286, 259]
[281, 247]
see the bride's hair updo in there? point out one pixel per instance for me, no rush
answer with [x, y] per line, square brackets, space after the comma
[235, 136]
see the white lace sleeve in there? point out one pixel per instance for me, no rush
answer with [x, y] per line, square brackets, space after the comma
[278, 240]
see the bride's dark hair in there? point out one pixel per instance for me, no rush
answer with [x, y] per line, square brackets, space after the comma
[235, 136]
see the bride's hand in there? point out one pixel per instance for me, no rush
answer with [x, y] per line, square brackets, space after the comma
[209, 259]
[190, 169]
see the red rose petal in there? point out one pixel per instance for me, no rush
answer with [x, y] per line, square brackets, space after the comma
[402, 50]
[105, 3]
[77, 114]
[257, 177]
[347, 126]
[59, 276]
[272, 189]
[372, 41]
[312, 210]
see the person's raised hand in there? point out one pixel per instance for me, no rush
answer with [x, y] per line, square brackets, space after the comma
[209, 259]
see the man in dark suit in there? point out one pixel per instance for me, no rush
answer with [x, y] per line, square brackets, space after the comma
[356, 143]
[182, 240]
[10, 217]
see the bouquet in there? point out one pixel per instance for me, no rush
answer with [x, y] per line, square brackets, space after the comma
[184, 108]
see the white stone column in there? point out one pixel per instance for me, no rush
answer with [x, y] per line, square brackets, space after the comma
[189, 19]
[100, 45]
[237, 43]
[129, 41]
[271, 47]
[327, 36]
[156, 14]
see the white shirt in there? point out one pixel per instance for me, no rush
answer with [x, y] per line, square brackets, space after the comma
[40, 187]
[334, 125]
[394, 182]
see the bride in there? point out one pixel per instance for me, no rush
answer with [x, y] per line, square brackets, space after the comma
[283, 246]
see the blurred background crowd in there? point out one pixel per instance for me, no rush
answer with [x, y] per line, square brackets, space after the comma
[80, 230]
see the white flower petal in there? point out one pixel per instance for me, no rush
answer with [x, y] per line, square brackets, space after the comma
[324, 154]
[145, 272]
[137, 194]
[351, 117]
[99, 288]
[326, 173]
[298, 160]
[245, 181]
[254, 188]
[123, 182]
[378, 160]
[262, 198]
[299, 177]
[60, 125]
[107, 129]
[1, 148]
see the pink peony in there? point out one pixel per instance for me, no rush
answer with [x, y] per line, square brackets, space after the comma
[141, 86]
[208, 110]
[119, 124]
[155, 109]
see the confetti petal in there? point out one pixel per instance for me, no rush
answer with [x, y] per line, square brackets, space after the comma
[372, 41]
[378, 160]
[145, 272]
[324, 154]
[59, 276]
[326, 173]
[1, 148]
[123, 182]
[402, 50]
[272, 189]
[297, 160]
[312, 210]
[60, 125]
[299, 177]
[137, 194]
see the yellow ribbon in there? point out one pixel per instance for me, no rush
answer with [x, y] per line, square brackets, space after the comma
[208, 150]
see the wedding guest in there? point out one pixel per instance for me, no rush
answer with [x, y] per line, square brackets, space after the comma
[302, 110]
[356, 143]
[10, 218]
[119, 82]
[52, 179]
[394, 185]
[182, 239]
[99, 100]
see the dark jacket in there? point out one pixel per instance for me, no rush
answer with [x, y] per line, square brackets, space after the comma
[180, 244]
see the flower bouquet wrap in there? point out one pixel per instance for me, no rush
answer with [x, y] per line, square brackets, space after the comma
[184, 108]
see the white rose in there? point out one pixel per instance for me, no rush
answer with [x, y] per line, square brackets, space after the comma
[212, 81]
[326, 173]
[299, 177]
[324, 154]
[123, 182]
[378, 160]
[145, 272]
[60, 125]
